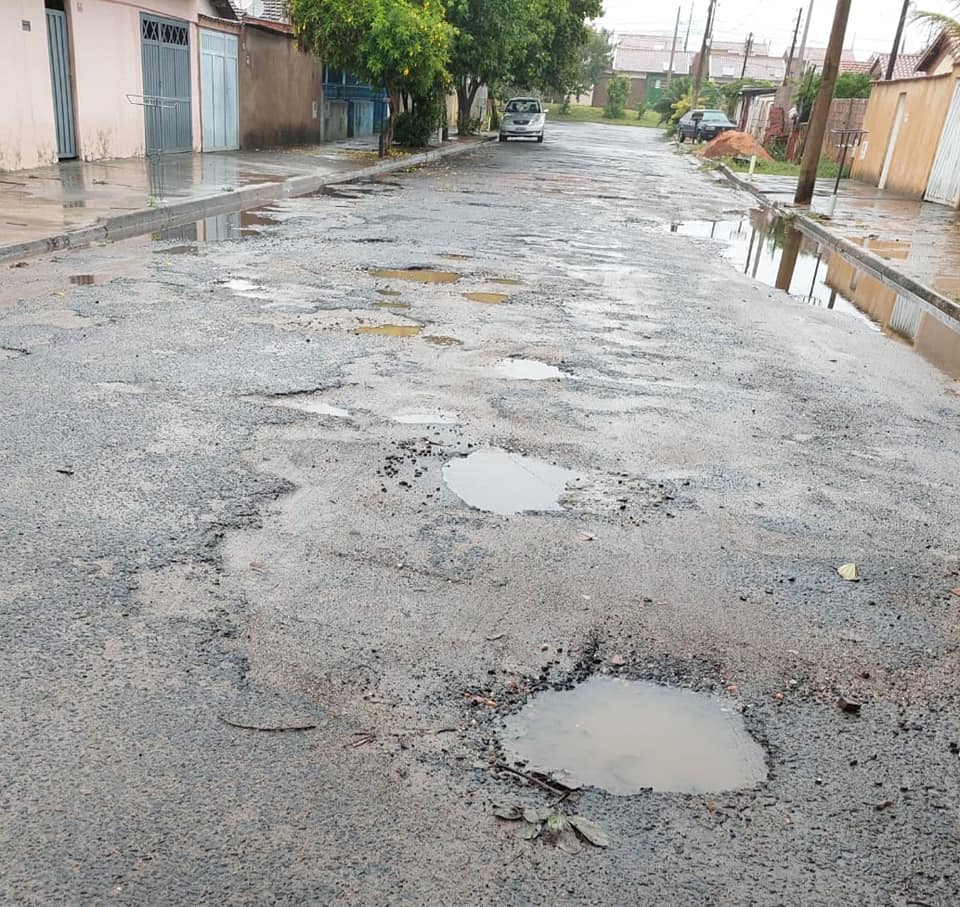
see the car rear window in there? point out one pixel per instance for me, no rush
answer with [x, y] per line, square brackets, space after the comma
[715, 116]
[523, 107]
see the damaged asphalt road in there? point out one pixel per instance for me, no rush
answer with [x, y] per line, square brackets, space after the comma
[257, 651]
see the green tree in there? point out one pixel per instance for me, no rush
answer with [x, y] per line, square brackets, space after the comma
[403, 45]
[488, 36]
[596, 58]
[849, 85]
[618, 91]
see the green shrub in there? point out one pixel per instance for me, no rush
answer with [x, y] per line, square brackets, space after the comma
[618, 92]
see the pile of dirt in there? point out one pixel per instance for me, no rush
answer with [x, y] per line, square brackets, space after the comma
[735, 144]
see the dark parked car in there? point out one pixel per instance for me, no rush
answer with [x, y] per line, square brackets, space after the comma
[703, 125]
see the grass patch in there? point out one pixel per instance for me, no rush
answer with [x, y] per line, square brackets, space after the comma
[577, 114]
[827, 170]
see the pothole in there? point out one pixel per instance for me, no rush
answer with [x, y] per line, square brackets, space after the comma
[487, 298]
[387, 304]
[499, 481]
[439, 340]
[438, 418]
[507, 282]
[526, 370]
[628, 736]
[421, 275]
[391, 293]
[239, 285]
[390, 330]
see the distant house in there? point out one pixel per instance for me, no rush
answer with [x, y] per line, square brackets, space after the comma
[725, 66]
[913, 126]
[645, 60]
[94, 79]
[813, 58]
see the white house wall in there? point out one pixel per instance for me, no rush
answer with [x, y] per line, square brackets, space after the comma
[28, 133]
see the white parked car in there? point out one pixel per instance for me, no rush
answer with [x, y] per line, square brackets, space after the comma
[523, 118]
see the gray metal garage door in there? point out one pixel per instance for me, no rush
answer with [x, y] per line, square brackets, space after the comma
[60, 80]
[166, 84]
[218, 91]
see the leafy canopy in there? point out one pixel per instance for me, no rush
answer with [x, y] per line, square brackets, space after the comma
[402, 44]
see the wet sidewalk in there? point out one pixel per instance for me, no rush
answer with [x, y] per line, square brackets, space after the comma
[78, 202]
[921, 239]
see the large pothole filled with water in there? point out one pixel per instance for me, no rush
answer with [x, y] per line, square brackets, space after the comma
[626, 737]
[506, 483]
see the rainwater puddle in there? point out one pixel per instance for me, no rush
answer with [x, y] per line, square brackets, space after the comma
[88, 280]
[438, 340]
[393, 305]
[487, 298]
[498, 481]
[456, 256]
[526, 370]
[626, 736]
[390, 330]
[222, 228]
[420, 275]
[507, 282]
[239, 285]
[308, 404]
[439, 418]
[774, 253]
[390, 293]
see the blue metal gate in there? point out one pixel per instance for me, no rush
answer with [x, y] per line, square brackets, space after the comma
[60, 80]
[166, 84]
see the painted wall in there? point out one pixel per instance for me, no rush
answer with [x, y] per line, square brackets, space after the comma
[281, 91]
[28, 136]
[925, 110]
[108, 125]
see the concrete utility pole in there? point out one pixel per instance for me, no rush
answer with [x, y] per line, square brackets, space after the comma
[704, 55]
[821, 109]
[686, 41]
[802, 59]
[746, 56]
[673, 50]
[896, 41]
[793, 47]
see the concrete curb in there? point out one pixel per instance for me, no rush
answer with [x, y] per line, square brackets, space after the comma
[146, 220]
[938, 305]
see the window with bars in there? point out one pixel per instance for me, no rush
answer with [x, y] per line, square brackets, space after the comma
[164, 32]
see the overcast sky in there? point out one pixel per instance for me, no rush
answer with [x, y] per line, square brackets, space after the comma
[873, 23]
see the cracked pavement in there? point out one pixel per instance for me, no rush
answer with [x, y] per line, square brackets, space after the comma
[212, 522]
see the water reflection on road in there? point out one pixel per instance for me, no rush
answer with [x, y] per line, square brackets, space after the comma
[771, 250]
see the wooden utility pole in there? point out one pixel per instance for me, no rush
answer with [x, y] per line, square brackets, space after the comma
[793, 47]
[746, 56]
[704, 55]
[673, 49]
[898, 39]
[686, 41]
[821, 109]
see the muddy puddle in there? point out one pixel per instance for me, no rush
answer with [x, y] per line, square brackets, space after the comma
[396, 304]
[419, 275]
[390, 330]
[628, 736]
[769, 250]
[526, 370]
[507, 282]
[422, 418]
[89, 280]
[487, 298]
[506, 483]
[439, 340]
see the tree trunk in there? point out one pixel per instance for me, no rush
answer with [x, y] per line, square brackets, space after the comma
[386, 131]
[466, 94]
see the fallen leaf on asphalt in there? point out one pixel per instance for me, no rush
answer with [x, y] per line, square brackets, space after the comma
[880, 807]
[849, 572]
[65, 471]
[531, 815]
[544, 648]
[510, 813]
[618, 660]
[588, 537]
[528, 832]
[258, 567]
[568, 842]
[495, 638]
[590, 831]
